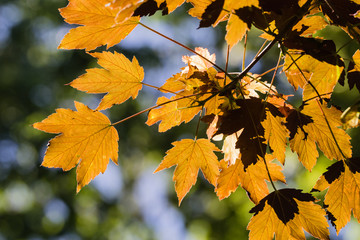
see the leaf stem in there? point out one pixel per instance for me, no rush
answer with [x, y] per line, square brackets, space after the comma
[156, 106]
[198, 125]
[273, 77]
[186, 47]
[227, 61]
[244, 54]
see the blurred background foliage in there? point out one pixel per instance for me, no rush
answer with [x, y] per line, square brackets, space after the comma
[128, 201]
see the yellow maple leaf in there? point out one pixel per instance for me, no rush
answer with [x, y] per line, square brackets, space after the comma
[306, 149]
[286, 213]
[319, 130]
[190, 156]
[168, 114]
[309, 25]
[99, 25]
[310, 127]
[276, 134]
[252, 180]
[86, 137]
[173, 111]
[322, 75]
[235, 30]
[342, 198]
[120, 79]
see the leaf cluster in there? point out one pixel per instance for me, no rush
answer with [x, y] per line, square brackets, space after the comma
[253, 120]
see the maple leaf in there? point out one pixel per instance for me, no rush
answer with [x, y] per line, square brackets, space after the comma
[120, 79]
[99, 25]
[323, 76]
[309, 25]
[199, 62]
[320, 132]
[86, 137]
[286, 213]
[276, 134]
[306, 131]
[190, 156]
[299, 140]
[235, 30]
[173, 111]
[249, 116]
[252, 180]
[343, 182]
[230, 152]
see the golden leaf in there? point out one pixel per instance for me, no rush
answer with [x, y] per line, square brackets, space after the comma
[286, 213]
[276, 134]
[173, 111]
[342, 198]
[99, 25]
[190, 156]
[86, 137]
[252, 180]
[120, 79]
[322, 75]
[319, 131]
[309, 25]
[306, 149]
[236, 30]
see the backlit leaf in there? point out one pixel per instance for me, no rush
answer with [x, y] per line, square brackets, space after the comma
[276, 134]
[248, 116]
[99, 25]
[305, 147]
[286, 213]
[190, 156]
[87, 141]
[236, 30]
[252, 180]
[319, 131]
[342, 198]
[301, 69]
[120, 79]
[309, 25]
[173, 113]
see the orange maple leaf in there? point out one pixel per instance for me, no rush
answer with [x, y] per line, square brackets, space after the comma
[173, 111]
[86, 137]
[190, 156]
[308, 131]
[252, 180]
[286, 213]
[276, 134]
[342, 198]
[99, 25]
[302, 69]
[120, 79]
